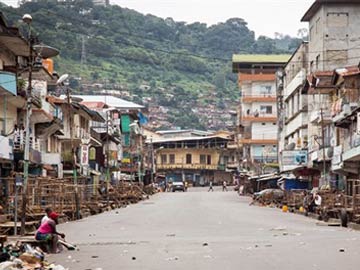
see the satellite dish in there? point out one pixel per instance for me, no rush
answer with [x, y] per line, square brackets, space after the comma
[27, 18]
[62, 78]
[45, 51]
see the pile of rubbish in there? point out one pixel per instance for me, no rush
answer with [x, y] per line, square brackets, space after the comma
[24, 256]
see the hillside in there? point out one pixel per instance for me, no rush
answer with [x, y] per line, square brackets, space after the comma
[181, 71]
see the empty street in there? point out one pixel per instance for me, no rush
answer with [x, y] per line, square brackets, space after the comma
[206, 230]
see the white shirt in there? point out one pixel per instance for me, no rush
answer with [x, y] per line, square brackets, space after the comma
[318, 200]
[44, 219]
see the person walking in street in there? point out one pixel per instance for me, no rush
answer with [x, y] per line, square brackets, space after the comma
[210, 186]
[224, 186]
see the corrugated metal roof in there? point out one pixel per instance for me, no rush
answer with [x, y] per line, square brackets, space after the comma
[178, 139]
[261, 58]
[111, 101]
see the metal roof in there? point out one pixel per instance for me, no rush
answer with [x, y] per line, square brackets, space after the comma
[111, 101]
[179, 139]
[260, 58]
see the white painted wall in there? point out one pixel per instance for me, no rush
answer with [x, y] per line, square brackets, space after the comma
[264, 131]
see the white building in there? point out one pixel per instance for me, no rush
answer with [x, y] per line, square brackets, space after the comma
[258, 131]
[293, 142]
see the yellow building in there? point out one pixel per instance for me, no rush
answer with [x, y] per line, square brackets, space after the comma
[198, 159]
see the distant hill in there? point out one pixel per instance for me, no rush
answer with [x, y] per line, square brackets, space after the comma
[175, 65]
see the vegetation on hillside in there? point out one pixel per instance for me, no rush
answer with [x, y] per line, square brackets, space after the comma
[128, 49]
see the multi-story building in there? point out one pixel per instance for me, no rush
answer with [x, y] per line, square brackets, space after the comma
[126, 119]
[258, 132]
[345, 110]
[195, 159]
[333, 33]
[333, 39]
[293, 116]
[10, 100]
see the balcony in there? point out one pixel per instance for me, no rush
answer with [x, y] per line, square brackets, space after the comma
[295, 83]
[258, 141]
[6, 148]
[258, 98]
[316, 118]
[255, 118]
[8, 83]
[182, 166]
[244, 77]
[44, 114]
[351, 148]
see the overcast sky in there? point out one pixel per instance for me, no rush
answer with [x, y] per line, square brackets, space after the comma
[265, 17]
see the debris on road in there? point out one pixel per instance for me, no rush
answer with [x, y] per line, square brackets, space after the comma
[341, 250]
[278, 229]
[205, 244]
[173, 258]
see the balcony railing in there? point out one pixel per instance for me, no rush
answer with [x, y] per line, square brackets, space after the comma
[19, 141]
[187, 166]
[259, 98]
[259, 117]
[81, 133]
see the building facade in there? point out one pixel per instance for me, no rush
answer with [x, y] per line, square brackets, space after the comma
[258, 119]
[196, 160]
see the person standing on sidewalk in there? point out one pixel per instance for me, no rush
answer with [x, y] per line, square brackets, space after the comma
[211, 186]
[224, 186]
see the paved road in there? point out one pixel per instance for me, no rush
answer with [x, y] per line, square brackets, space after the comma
[201, 230]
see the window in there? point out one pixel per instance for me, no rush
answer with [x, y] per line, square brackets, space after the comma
[163, 159]
[266, 109]
[172, 158]
[209, 159]
[317, 61]
[202, 159]
[266, 90]
[188, 159]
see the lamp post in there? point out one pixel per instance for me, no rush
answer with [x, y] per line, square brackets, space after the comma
[60, 81]
[27, 19]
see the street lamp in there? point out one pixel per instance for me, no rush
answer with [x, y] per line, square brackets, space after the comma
[61, 81]
[27, 19]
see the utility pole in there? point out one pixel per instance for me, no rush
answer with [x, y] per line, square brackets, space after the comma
[323, 144]
[107, 160]
[27, 19]
[152, 159]
[77, 203]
